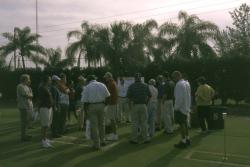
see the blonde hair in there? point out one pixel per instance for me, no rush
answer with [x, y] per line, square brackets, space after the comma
[24, 77]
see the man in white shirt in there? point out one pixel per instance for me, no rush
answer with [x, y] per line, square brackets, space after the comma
[94, 96]
[182, 94]
[25, 105]
[152, 106]
[123, 111]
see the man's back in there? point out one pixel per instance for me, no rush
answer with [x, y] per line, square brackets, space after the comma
[139, 93]
[182, 95]
[169, 90]
[95, 92]
[204, 95]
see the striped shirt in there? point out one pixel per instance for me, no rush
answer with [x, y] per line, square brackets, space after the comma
[139, 93]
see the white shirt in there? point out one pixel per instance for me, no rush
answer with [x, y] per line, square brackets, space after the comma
[122, 90]
[95, 92]
[182, 94]
[154, 93]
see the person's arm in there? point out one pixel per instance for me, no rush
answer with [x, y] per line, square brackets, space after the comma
[149, 95]
[129, 96]
[21, 90]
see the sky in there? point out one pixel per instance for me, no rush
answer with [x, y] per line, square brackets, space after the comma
[57, 17]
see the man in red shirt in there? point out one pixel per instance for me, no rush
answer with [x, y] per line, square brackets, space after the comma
[112, 105]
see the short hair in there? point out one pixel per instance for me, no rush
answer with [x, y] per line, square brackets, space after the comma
[24, 77]
[62, 75]
[159, 78]
[201, 80]
[166, 74]
[177, 74]
[108, 75]
[151, 82]
[91, 77]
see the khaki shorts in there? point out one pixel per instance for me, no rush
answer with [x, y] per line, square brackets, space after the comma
[46, 116]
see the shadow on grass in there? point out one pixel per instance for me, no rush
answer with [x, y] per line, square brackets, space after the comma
[120, 150]
[166, 159]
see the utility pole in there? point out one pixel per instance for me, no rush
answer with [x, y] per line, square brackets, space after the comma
[15, 49]
[36, 27]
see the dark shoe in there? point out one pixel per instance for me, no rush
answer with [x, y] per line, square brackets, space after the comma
[180, 145]
[31, 127]
[133, 142]
[188, 142]
[168, 133]
[56, 136]
[26, 138]
[96, 148]
[103, 144]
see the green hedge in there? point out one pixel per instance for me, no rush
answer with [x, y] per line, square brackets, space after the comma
[230, 76]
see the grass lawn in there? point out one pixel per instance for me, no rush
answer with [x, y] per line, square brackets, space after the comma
[73, 150]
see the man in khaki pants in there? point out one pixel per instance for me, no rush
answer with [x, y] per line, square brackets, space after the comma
[94, 96]
[139, 94]
[24, 101]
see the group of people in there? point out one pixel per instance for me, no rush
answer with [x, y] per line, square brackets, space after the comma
[165, 100]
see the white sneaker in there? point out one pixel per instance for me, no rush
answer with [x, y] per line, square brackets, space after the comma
[115, 137]
[110, 137]
[48, 141]
[46, 144]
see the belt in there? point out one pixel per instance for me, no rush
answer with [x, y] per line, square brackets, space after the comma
[97, 103]
[122, 97]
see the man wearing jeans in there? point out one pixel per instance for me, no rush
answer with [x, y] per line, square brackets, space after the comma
[168, 105]
[24, 102]
[152, 106]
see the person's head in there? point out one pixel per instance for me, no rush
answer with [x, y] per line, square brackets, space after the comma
[201, 80]
[108, 76]
[121, 81]
[63, 77]
[81, 80]
[151, 82]
[46, 80]
[177, 76]
[137, 77]
[55, 79]
[166, 75]
[25, 79]
[91, 78]
[159, 79]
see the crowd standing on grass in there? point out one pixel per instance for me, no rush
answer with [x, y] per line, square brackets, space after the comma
[164, 104]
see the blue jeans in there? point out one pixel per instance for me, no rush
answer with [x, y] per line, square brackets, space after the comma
[151, 117]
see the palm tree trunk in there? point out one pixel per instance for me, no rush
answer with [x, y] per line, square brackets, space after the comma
[79, 60]
[100, 61]
[88, 63]
[23, 61]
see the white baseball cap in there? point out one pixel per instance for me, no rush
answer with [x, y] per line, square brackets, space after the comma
[55, 77]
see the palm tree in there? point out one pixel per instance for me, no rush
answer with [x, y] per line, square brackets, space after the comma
[119, 42]
[102, 43]
[83, 44]
[54, 59]
[143, 41]
[24, 42]
[190, 39]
